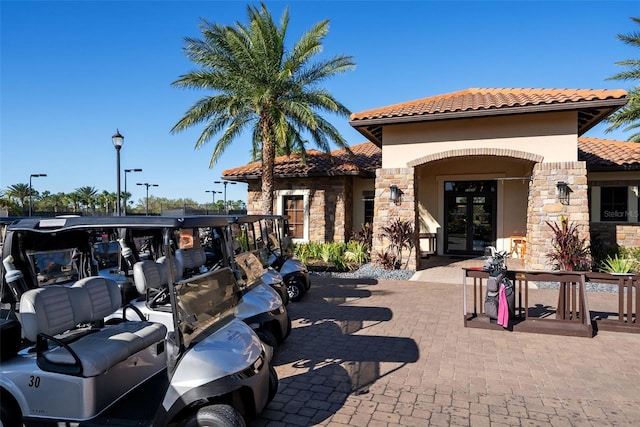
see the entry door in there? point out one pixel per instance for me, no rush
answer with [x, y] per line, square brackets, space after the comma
[470, 216]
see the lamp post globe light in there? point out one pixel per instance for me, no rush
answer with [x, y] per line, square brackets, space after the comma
[146, 184]
[117, 140]
[126, 171]
[226, 207]
[33, 175]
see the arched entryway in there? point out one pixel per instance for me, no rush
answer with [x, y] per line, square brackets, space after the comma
[473, 198]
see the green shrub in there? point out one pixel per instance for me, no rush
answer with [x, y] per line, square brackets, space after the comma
[617, 264]
[633, 254]
[356, 252]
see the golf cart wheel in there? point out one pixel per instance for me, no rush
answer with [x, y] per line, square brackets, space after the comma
[284, 294]
[269, 340]
[296, 290]
[9, 413]
[216, 416]
[273, 383]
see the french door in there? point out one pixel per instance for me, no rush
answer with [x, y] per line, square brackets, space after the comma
[470, 216]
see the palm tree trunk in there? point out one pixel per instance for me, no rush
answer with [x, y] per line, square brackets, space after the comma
[268, 160]
[268, 152]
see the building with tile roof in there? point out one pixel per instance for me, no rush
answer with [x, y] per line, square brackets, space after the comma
[472, 169]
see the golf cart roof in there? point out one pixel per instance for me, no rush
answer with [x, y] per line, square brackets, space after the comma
[51, 225]
[243, 219]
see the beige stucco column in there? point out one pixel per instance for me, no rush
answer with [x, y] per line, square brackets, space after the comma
[386, 211]
[544, 205]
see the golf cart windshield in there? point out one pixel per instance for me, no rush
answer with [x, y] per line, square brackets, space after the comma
[203, 301]
[55, 266]
[252, 267]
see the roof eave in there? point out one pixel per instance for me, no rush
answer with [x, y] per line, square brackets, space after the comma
[246, 178]
[614, 168]
[371, 128]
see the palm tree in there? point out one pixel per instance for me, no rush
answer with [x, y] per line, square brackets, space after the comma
[104, 200]
[87, 196]
[59, 200]
[260, 86]
[44, 201]
[19, 193]
[629, 115]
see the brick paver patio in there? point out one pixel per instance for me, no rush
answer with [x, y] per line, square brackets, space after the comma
[395, 353]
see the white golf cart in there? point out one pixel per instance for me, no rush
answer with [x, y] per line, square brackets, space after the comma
[267, 237]
[259, 306]
[63, 364]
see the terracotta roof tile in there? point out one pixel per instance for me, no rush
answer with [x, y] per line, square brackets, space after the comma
[599, 153]
[366, 158]
[475, 99]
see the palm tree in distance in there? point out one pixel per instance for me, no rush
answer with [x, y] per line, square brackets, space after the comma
[87, 197]
[629, 115]
[19, 193]
[260, 86]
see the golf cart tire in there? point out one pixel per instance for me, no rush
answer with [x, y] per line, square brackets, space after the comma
[9, 411]
[296, 290]
[273, 383]
[216, 416]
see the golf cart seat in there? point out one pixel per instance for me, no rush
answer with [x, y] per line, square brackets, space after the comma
[59, 314]
[149, 275]
[177, 268]
[151, 279]
[191, 260]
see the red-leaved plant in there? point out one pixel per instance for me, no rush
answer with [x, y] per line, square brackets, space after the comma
[400, 234]
[570, 252]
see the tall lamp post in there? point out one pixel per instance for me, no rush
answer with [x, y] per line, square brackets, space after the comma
[33, 175]
[146, 184]
[118, 140]
[213, 197]
[226, 207]
[126, 171]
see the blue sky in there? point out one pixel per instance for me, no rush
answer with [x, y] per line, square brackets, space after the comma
[73, 72]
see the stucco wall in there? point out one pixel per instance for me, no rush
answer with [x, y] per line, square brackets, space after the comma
[550, 135]
[511, 194]
[359, 186]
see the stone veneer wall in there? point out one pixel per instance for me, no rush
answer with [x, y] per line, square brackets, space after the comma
[628, 235]
[385, 210]
[610, 233]
[544, 205]
[330, 205]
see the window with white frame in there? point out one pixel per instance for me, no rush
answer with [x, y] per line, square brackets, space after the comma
[294, 204]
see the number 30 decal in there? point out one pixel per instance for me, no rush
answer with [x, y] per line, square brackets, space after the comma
[34, 381]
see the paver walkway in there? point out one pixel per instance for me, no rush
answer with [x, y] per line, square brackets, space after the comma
[395, 353]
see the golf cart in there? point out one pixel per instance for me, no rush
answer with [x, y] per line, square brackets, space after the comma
[234, 235]
[259, 305]
[63, 364]
[267, 236]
